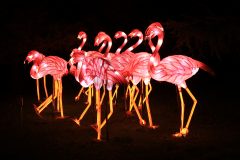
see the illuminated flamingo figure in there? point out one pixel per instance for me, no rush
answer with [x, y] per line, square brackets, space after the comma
[83, 37]
[176, 69]
[142, 61]
[57, 67]
[139, 70]
[111, 57]
[98, 70]
[124, 60]
[36, 58]
[82, 59]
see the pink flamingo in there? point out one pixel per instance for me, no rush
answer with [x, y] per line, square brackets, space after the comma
[57, 67]
[141, 62]
[102, 36]
[176, 69]
[82, 59]
[112, 57]
[100, 72]
[36, 58]
[94, 68]
[138, 69]
[120, 34]
[123, 61]
[83, 37]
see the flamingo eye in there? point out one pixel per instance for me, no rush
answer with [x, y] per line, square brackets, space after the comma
[30, 57]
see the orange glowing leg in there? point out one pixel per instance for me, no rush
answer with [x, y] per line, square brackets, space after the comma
[60, 99]
[111, 109]
[185, 130]
[115, 93]
[43, 105]
[180, 134]
[79, 94]
[104, 91]
[98, 107]
[141, 120]
[50, 99]
[135, 97]
[57, 91]
[140, 102]
[77, 121]
[147, 92]
[38, 94]
[45, 86]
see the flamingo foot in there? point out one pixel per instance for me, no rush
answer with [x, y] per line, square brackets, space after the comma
[140, 107]
[77, 98]
[142, 122]
[154, 126]
[37, 111]
[76, 121]
[183, 133]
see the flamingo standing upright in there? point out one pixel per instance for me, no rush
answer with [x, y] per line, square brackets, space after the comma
[123, 62]
[36, 57]
[111, 57]
[56, 67]
[176, 69]
[139, 69]
[82, 36]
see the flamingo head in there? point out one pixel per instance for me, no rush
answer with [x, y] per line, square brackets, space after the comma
[153, 30]
[120, 34]
[100, 38]
[135, 33]
[82, 35]
[35, 56]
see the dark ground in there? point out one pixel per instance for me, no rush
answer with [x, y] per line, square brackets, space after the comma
[214, 130]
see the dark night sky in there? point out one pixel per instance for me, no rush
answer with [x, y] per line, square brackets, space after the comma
[52, 27]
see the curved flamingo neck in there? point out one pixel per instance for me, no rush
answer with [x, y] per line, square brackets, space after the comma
[102, 46]
[159, 43]
[83, 37]
[123, 44]
[151, 45]
[108, 47]
[140, 39]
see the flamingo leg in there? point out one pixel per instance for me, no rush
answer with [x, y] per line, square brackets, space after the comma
[77, 121]
[38, 94]
[60, 98]
[147, 92]
[45, 86]
[98, 107]
[57, 89]
[79, 94]
[111, 108]
[43, 105]
[134, 98]
[50, 99]
[104, 91]
[192, 110]
[115, 93]
[179, 134]
[140, 102]
[141, 120]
